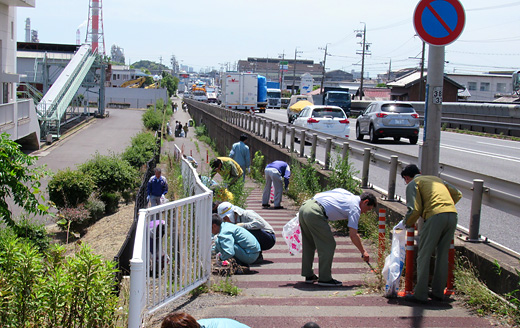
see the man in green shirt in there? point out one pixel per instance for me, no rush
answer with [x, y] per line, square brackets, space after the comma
[434, 200]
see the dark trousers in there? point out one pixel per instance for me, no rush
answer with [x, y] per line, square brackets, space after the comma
[265, 239]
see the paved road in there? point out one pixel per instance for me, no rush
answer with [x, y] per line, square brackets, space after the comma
[105, 136]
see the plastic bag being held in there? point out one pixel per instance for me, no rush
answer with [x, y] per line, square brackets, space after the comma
[292, 235]
[394, 262]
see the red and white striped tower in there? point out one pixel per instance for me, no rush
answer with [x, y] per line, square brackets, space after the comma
[95, 34]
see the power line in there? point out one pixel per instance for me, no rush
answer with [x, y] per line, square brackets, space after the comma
[517, 3]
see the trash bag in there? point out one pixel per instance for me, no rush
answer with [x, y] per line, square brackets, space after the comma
[394, 262]
[292, 235]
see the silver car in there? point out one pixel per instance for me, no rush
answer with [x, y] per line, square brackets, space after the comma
[328, 119]
[383, 119]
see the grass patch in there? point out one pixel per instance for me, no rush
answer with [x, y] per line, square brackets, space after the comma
[479, 298]
[225, 285]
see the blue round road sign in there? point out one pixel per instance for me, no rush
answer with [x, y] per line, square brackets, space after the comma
[439, 22]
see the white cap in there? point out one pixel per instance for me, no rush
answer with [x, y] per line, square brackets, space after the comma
[226, 209]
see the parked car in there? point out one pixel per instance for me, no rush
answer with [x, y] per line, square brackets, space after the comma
[383, 119]
[327, 119]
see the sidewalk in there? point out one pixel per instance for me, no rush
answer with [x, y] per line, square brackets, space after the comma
[274, 295]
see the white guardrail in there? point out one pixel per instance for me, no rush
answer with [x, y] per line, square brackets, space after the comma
[172, 249]
[497, 193]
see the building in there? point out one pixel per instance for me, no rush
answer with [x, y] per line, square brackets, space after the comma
[338, 75]
[17, 117]
[270, 68]
[484, 87]
[410, 88]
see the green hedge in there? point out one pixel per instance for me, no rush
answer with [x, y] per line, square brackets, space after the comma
[70, 188]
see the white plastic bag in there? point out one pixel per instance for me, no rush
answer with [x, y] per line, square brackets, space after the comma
[394, 262]
[292, 235]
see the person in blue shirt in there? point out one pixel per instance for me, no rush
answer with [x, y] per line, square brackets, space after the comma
[277, 173]
[157, 187]
[240, 153]
[234, 241]
[184, 320]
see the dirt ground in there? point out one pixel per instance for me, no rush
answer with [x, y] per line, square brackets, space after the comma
[105, 237]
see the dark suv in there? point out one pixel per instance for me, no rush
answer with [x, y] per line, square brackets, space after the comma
[383, 119]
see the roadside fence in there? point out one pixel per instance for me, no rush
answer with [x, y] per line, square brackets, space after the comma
[172, 248]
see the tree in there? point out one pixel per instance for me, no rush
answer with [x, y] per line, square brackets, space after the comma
[19, 181]
[170, 83]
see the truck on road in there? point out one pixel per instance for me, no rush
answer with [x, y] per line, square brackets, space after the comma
[335, 96]
[274, 95]
[244, 91]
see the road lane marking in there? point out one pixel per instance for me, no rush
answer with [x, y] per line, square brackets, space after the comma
[497, 145]
[498, 156]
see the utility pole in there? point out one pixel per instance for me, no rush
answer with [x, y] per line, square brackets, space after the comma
[281, 69]
[365, 46]
[296, 52]
[324, 62]
[389, 70]
[421, 85]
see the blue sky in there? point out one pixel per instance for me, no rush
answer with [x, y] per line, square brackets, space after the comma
[205, 34]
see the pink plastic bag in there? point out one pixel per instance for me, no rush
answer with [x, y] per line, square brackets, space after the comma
[292, 235]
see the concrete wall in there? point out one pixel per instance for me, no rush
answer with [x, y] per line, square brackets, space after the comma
[136, 97]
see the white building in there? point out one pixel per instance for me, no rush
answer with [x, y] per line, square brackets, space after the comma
[484, 87]
[17, 118]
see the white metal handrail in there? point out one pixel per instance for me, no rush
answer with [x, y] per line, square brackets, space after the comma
[172, 249]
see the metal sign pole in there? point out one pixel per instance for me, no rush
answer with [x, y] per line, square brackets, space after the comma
[429, 151]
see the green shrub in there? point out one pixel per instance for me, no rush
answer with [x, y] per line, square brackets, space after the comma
[258, 167]
[74, 219]
[111, 173]
[141, 150]
[49, 290]
[304, 183]
[111, 201]
[70, 188]
[343, 175]
[96, 208]
[33, 232]
[152, 119]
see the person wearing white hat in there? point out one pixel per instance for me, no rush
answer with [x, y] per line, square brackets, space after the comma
[251, 221]
[234, 242]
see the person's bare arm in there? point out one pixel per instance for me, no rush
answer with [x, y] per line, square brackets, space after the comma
[356, 240]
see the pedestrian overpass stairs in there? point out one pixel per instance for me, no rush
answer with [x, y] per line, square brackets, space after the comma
[55, 102]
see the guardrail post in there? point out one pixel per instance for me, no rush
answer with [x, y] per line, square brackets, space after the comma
[328, 148]
[265, 128]
[256, 127]
[302, 143]
[451, 266]
[270, 131]
[344, 150]
[284, 135]
[291, 142]
[476, 206]
[251, 120]
[276, 130]
[391, 177]
[408, 277]
[382, 242]
[313, 147]
[366, 165]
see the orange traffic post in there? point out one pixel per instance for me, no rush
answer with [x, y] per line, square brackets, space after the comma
[408, 277]
[382, 231]
[451, 266]
[207, 156]
[191, 152]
